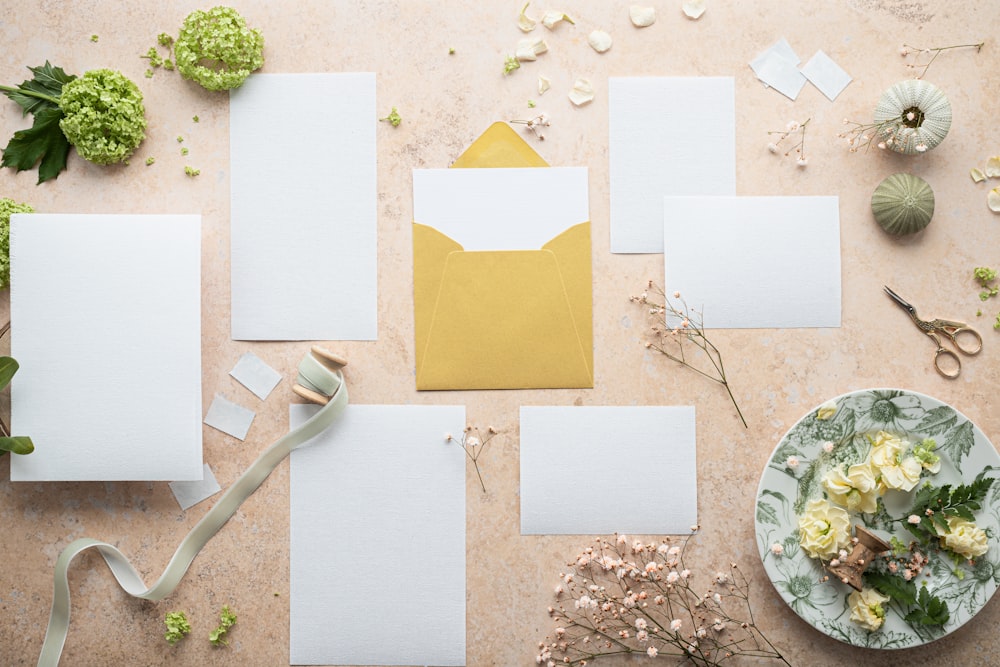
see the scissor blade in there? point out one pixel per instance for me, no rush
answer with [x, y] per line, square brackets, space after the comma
[900, 301]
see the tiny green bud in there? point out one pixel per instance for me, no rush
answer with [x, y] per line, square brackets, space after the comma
[393, 117]
[150, 160]
[94, 38]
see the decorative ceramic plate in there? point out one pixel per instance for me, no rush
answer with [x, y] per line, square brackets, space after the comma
[785, 490]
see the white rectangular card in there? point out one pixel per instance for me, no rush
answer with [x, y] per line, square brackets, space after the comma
[230, 418]
[378, 538]
[251, 372]
[825, 74]
[189, 494]
[755, 262]
[667, 136]
[304, 207]
[598, 470]
[106, 326]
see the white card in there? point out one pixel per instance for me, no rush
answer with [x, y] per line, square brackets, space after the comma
[378, 539]
[780, 48]
[255, 375]
[106, 326]
[598, 470]
[755, 262]
[781, 74]
[228, 417]
[501, 209]
[667, 136]
[826, 75]
[189, 494]
[304, 207]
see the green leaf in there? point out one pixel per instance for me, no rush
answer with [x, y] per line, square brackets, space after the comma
[931, 610]
[19, 444]
[896, 587]
[8, 366]
[766, 514]
[959, 443]
[937, 421]
[43, 141]
[48, 82]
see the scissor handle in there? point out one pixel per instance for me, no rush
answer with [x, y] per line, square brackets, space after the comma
[959, 332]
[952, 367]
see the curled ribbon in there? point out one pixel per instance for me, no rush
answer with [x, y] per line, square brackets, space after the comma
[316, 375]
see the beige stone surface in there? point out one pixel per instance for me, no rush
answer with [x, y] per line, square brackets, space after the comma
[446, 101]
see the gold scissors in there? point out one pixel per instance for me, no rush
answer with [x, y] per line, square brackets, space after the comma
[953, 330]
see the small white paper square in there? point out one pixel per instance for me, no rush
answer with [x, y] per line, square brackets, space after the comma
[577, 463]
[189, 494]
[255, 375]
[304, 204]
[229, 417]
[780, 48]
[378, 538]
[781, 74]
[826, 75]
[755, 262]
[106, 326]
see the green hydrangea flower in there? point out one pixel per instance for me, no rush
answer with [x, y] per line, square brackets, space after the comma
[8, 207]
[104, 116]
[216, 49]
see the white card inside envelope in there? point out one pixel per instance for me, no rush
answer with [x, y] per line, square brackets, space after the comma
[383, 485]
[501, 209]
[755, 262]
[106, 325]
[304, 207]
[646, 453]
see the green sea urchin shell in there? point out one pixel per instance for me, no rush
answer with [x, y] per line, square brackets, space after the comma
[903, 204]
[930, 122]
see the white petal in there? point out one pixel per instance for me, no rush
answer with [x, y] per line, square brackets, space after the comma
[529, 49]
[993, 200]
[543, 84]
[993, 167]
[552, 17]
[525, 22]
[582, 92]
[641, 16]
[600, 41]
[977, 175]
[525, 53]
[694, 9]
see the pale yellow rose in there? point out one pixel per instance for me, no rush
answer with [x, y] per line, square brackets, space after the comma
[894, 470]
[867, 609]
[963, 537]
[824, 529]
[857, 489]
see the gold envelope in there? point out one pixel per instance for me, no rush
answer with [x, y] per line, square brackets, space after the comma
[503, 319]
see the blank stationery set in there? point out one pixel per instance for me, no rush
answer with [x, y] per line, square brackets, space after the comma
[106, 314]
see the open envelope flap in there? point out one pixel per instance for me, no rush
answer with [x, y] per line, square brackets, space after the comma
[499, 146]
[503, 319]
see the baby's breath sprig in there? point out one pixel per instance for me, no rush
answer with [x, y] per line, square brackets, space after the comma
[535, 124]
[793, 127]
[474, 445]
[674, 325]
[919, 54]
[861, 135]
[622, 596]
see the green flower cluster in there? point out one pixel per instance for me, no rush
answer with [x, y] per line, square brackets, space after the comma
[216, 49]
[8, 207]
[104, 116]
[177, 626]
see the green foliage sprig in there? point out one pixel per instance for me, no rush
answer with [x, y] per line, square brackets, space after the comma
[227, 620]
[922, 607]
[935, 504]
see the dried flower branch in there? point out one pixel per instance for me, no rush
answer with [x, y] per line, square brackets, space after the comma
[861, 135]
[799, 149]
[677, 324]
[918, 54]
[535, 124]
[621, 597]
[474, 445]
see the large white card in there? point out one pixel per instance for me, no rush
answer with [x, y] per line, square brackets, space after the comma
[598, 470]
[501, 209]
[106, 327]
[378, 539]
[667, 136]
[304, 207]
[755, 262]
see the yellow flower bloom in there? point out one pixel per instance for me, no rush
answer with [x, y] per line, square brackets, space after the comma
[867, 609]
[824, 529]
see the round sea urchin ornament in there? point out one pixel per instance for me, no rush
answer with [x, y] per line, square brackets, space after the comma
[903, 204]
[913, 116]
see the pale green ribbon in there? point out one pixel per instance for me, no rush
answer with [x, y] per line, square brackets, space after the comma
[313, 375]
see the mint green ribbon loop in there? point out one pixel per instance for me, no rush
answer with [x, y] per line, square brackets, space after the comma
[319, 378]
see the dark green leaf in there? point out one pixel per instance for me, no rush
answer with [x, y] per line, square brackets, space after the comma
[43, 141]
[766, 514]
[19, 444]
[937, 421]
[7, 369]
[931, 610]
[48, 81]
[958, 443]
[899, 589]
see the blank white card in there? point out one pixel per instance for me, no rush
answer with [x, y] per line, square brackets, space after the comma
[106, 326]
[378, 538]
[303, 190]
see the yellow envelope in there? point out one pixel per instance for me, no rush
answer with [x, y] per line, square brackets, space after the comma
[503, 319]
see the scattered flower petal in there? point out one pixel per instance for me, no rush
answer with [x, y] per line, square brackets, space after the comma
[641, 16]
[993, 200]
[552, 17]
[694, 9]
[582, 92]
[543, 84]
[599, 40]
[530, 49]
[977, 175]
[993, 167]
[525, 22]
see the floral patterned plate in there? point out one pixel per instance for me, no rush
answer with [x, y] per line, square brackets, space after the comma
[793, 477]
